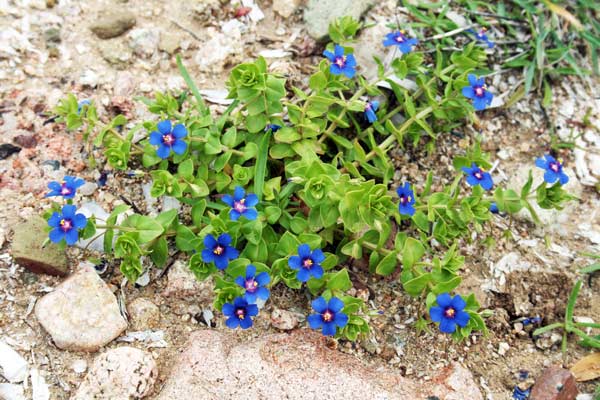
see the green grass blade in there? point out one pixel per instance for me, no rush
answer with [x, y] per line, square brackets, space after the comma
[190, 83]
[260, 168]
[571, 302]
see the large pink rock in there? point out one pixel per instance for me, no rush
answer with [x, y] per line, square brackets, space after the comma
[297, 366]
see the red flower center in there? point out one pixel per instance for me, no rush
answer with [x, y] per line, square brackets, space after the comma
[251, 285]
[66, 225]
[327, 316]
[168, 139]
[450, 312]
[307, 263]
[218, 250]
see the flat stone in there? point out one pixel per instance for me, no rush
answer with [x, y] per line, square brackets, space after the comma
[27, 249]
[143, 314]
[116, 53]
[13, 367]
[81, 313]
[182, 284]
[555, 384]
[144, 41]
[320, 13]
[296, 366]
[113, 24]
[169, 42]
[283, 319]
[121, 373]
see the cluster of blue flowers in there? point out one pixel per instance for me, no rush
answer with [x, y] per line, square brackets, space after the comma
[239, 313]
[66, 223]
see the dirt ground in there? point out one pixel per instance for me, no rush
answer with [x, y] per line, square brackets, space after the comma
[534, 281]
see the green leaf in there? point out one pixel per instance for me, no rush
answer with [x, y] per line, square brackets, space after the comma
[146, 227]
[260, 168]
[159, 252]
[186, 169]
[388, 264]
[165, 219]
[186, 239]
[415, 287]
[340, 281]
[412, 252]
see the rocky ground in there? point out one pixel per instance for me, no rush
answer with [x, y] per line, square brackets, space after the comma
[90, 336]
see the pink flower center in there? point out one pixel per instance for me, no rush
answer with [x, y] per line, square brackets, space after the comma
[168, 139]
[400, 38]
[240, 313]
[340, 61]
[479, 91]
[450, 312]
[405, 199]
[307, 263]
[66, 225]
[478, 174]
[327, 316]
[64, 190]
[251, 285]
[218, 250]
[554, 166]
[240, 206]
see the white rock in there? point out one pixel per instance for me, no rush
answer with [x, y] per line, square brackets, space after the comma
[81, 314]
[144, 41]
[218, 96]
[14, 367]
[121, 373]
[8, 391]
[503, 347]
[39, 386]
[79, 366]
[89, 78]
[256, 13]
[219, 48]
[88, 188]
[170, 203]
[90, 209]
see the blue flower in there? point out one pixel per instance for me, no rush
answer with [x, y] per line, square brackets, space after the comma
[66, 188]
[272, 127]
[167, 139]
[554, 169]
[477, 92]
[306, 263]
[370, 109]
[340, 63]
[241, 205]
[449, 312]
[399, 39]
[494, 208]
[82, 103]
[239, 313]
[218, 250]
[407, 200]
[482, 36]
[477, 176]
[66, 225]
[254, 284]
[521, 394]
[329, 315]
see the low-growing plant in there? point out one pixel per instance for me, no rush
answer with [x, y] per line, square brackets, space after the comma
[289, 184]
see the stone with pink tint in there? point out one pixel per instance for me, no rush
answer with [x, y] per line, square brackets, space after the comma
[296, 366]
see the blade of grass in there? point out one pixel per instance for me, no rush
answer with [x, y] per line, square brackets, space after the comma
[190, 83]
[260, 168]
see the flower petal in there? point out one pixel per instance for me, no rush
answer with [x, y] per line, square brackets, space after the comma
[227, 199]
[227, 309]
[238, 193]
[80, 221]
[209, 241]
[436, 314]
[56, 235]
[224, 239]
[294, 262]
[349, 72]
[231, 253]
[208, 256]
[350, 61]
[155, 138]
[564, 178]
[315, 321]
[444, 300]
[179, 147]
[316, 271]
[335, 305]
[319, 304]
[179, 131]
[330, 56]
[550, 176]
[54, 220]
[472, 79]
[304, 250]
[232, 322]
[263, 293]
[487, 183]
[164, 127]
[458, 303]
[468, 92]
[240, 281]
[163, 151]
[251, 200]
[447, 325]
[252, 310]
[250, 297]
[71, 236]
[341, 320]
[318, 256]
[338, 50]
[329, 329]
[250, 271]
[250, 214]
[462, 318]
[221, 262]
[303, 275]
[234, 215]
[541, 163]
[263, 279]
[246, 323]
